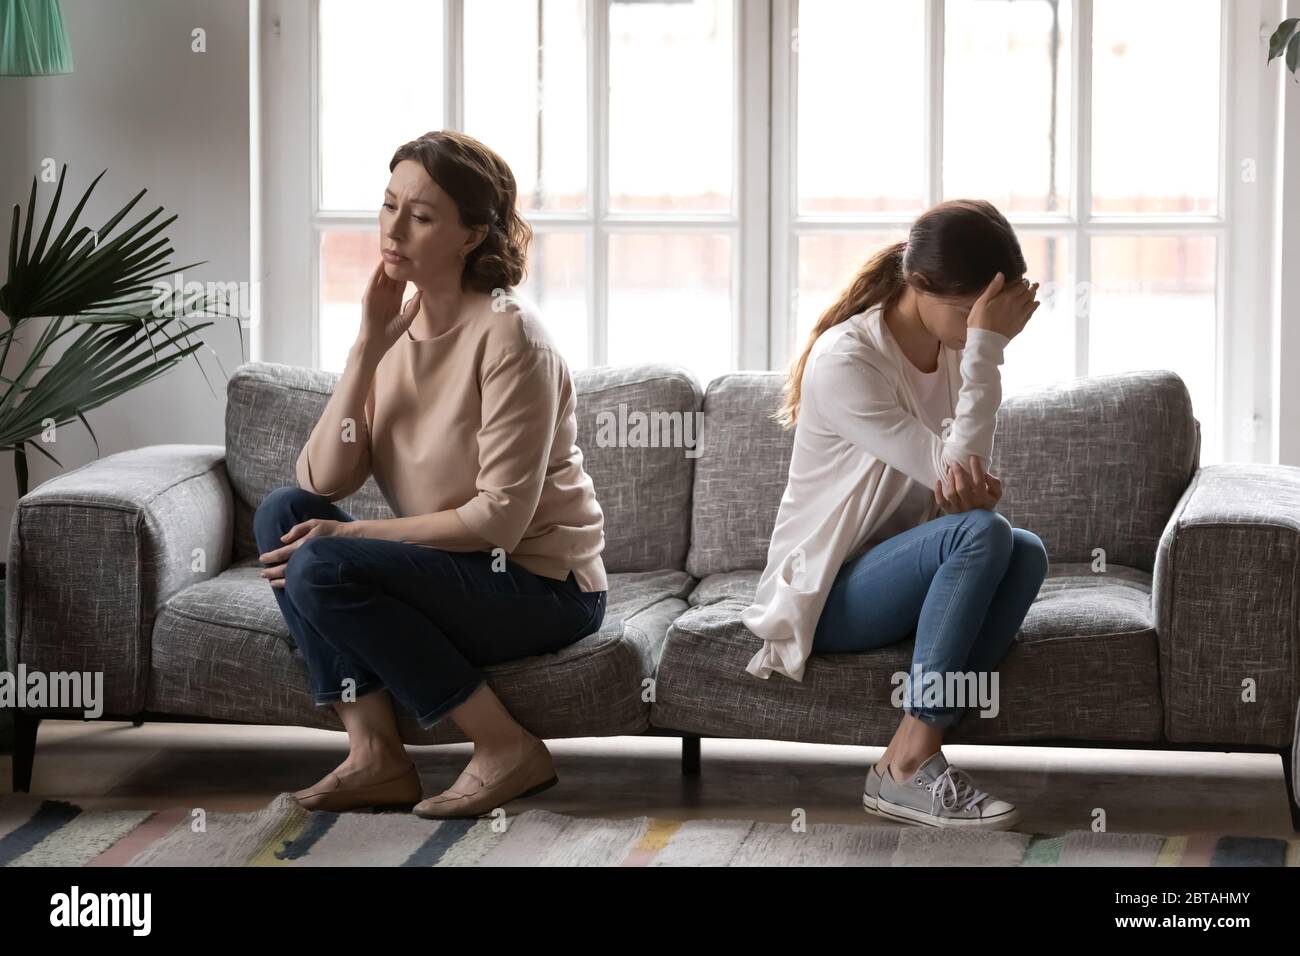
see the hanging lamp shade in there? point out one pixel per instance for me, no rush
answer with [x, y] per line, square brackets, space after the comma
[33, 39]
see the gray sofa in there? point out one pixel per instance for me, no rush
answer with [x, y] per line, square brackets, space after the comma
[142, 565]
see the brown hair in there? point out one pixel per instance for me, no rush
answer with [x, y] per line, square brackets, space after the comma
[953, 249]
[483, 188]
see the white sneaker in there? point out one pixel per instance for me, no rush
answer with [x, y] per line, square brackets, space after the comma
[938, 795]
[871, 791]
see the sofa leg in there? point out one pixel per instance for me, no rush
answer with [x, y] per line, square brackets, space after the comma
[1288, 771]
[138, 722]
[25, 725]
[690, 755]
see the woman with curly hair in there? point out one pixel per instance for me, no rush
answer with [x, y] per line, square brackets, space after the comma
[461, 406]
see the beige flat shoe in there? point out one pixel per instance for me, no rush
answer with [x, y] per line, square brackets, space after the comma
[400, 793]
[472, 796]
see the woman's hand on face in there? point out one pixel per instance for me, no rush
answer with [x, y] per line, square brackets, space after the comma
[383, 317]
[293, 538]
[962, 491]
[1004, 308]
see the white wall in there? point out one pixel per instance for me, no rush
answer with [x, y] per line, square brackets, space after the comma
[159, 117]
[1285, 437]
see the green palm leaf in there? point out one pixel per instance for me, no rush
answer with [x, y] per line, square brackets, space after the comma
[115, 331]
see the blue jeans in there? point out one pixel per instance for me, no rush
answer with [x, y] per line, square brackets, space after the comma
[963, 582]
[415, 619]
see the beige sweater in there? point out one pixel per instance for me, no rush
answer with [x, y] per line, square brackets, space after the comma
[480, 419]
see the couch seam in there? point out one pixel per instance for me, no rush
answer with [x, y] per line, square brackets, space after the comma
[203, 620]
[1166, 703]
[1028, 643]
[19, 590]
[141, 678]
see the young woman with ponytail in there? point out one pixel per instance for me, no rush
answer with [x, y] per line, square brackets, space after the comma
[887, 525]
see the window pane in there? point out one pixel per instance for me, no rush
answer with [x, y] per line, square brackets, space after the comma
[670, 301]
[1155, 110]
[1016, 154]
[827, 263]
[380, 87]
[557, 282]
[526, 94]
[347, 258]
[1152, 306]
[861, 66]
[1043, 352]
[671, 106]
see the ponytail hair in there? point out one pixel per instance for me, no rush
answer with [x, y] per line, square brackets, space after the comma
[880, 280]
[953, 249]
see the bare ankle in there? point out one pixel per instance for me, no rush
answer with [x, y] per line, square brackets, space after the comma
[514, 742]
[378, 752]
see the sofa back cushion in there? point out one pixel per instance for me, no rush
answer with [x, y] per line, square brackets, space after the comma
[270, 411]
[638, 428]
[1090, 463]
[643, 488]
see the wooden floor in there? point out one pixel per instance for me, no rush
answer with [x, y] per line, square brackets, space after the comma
[218, 767]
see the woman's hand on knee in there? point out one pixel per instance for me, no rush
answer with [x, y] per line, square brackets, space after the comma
[275, 575]
[293, 538]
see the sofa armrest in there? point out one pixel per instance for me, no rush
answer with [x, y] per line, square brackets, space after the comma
[1226, 595]
[95, 552]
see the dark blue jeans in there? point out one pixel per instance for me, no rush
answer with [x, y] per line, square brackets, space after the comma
[963, 582]
[413, 618]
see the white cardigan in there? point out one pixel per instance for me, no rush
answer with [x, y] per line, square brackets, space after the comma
[858, 447]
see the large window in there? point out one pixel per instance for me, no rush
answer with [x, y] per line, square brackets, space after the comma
[632, 195]
[704, 176]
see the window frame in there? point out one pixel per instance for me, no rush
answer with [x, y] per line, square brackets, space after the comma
[597, 223]
[763, 224]
[1239, 398]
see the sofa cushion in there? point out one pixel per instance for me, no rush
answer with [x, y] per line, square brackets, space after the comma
[1083, 666]
[270, 411]
[221, 649]
[643, 489]
[740, 474]
[1098, 463]
[1091, 463]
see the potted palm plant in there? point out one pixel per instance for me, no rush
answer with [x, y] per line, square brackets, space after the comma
[96, 297]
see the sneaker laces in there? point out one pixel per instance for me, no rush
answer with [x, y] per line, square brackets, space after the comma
[959, 785]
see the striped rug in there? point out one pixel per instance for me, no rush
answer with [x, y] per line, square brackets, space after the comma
[38, 832]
